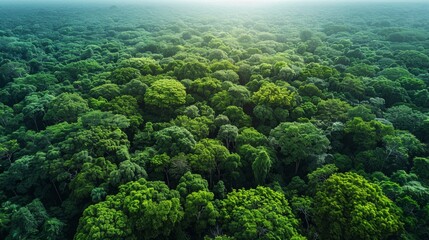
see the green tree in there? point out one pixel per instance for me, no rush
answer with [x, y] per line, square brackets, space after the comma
[412, 83]
[174, 140]
[363, 70]
[35, 107]
[203, 87]
[7, 149]
[165, 94]
[76, 69]
[365, 135]
[222, 65]
[305, 35]
[251, 136]
[14, 92]
[221, 100]
[237, 116]
[226, 75]
[244, 72]
[353, 87]
[391, 91]
[66, 107]
[332, 110]
[259, 213]
[400, 148]
[261, 167]
[211, 157]
[190, 183]
[159, 166]
[42, 81]
[127, 171]
[298, 141]
[198, 127]
[192, 70]
[395, 73]
[11, 70]
[104, 119]
[274, 96]
[264, 114]
[319, 71]
[127, 106]
[107, 91]
[303, 207]
[104, 221]
[421, 98]
[228, 133]
[414, 59]
[421, 168]
[219, 237]
[146, 66]
[405, 118]
[122, 76]
[93, 173]
[317, 177]
[99, 141]
[25, 174]
[200, 211]
[141, 209]
[31, 221]
[240, 95]
[310, 90]
[361, 111]
[135, 88]
[347, 206]
[179, 166]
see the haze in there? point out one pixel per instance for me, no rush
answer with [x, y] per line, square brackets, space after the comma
[216, 2]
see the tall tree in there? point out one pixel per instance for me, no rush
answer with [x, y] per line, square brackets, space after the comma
[274, 96]
[259, 213]
[141, 209]
[349, 207]
[298, 141]
[165, 94]
[174, 140]
[66, 107]
[261, 167]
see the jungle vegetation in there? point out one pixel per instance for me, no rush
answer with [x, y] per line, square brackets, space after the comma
[187, 122]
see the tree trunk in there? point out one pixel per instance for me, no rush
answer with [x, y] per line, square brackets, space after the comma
[166, 177]
[56, 190]
[297, 166]
[35, 123]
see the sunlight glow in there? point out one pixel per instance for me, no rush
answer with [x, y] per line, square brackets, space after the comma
[237, 2]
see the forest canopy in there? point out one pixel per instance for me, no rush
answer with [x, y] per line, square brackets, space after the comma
[171, 121]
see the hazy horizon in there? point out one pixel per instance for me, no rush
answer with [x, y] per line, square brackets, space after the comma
[202, 2]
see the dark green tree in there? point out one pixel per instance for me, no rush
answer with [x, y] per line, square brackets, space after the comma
[261, 167]
[140, 209]
[122, 76]
[298, 142]
[174, 140]
[66, 107]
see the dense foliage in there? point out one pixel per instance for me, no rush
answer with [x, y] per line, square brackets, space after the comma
[188, 122]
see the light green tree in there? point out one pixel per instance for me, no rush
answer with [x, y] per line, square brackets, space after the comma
[165, 94]
[259, 213]
[347, 206]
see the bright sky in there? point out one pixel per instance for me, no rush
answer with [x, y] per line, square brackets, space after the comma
[236, 1]
[216, 2]
[283, 1]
